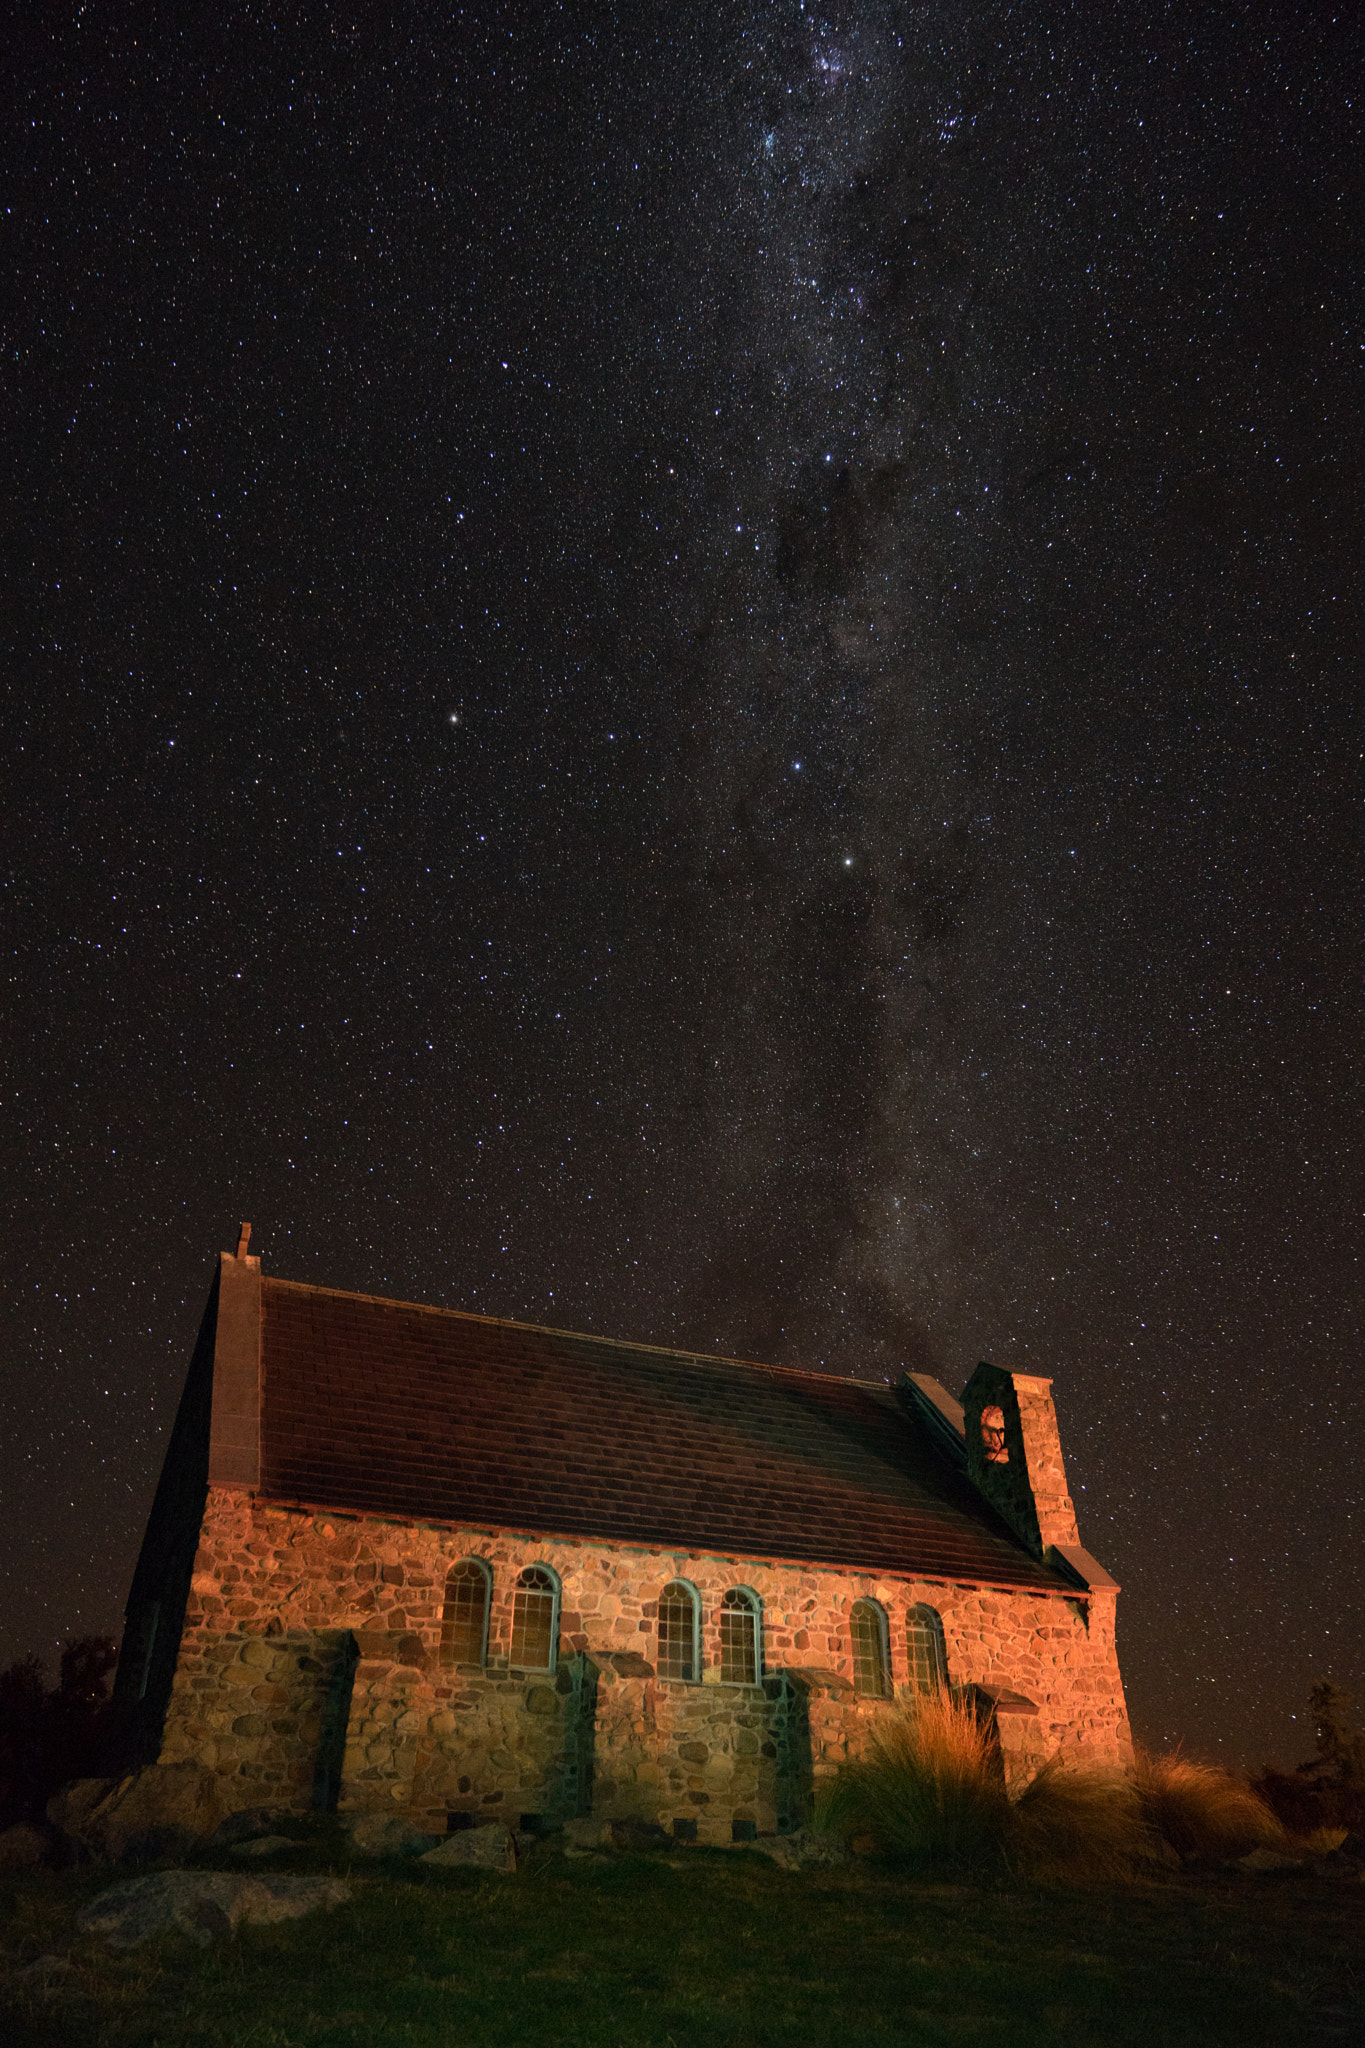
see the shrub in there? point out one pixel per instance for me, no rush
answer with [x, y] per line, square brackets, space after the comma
[1203, 1810]
[48, 1737]
[1304, 1804]
[929, 1788]
[1329, 1790]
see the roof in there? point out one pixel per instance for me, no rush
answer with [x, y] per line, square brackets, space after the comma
[387, 1408]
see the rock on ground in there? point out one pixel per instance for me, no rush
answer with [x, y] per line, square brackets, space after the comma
[163, 1810]
[25, 1847]
[585, 1831]
[486, 1848]
[247, 1822]
[589, 1831]
[46, 1971]
[204, 1904]
[803, 1849]
[386, 1834]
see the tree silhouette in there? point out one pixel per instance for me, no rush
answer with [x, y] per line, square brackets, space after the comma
[47, 1737]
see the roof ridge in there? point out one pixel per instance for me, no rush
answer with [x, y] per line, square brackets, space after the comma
[465, 1315]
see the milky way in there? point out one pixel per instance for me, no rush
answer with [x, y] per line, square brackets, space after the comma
[698, 677]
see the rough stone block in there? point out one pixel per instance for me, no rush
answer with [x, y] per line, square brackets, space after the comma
[482, 1848]
[202, 1904]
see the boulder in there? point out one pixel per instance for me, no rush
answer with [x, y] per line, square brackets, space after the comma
[585, 1831]
[25, 1848]
[162, 1811]
[634, 1833]
[249, 1821]
[803, 1849]
[1260, 1860]
[48, 1974]
[70, 1810]
[486, 1848]
[385, 1834]
[204, 1904]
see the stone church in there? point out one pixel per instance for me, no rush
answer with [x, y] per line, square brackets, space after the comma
[453, 1568]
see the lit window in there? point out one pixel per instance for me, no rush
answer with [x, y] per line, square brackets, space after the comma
[678, 1631]
[926, 1658]
[993, 1436]
[868, 1629]
[464, 1619]
[739, 1638]
[534, 1617]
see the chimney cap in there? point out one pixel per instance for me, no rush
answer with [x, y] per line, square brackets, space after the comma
[243, 1240]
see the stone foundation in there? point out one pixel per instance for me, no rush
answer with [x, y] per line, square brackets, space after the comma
[310, 1673]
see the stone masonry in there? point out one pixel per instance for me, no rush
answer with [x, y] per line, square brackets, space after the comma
[310, 1670]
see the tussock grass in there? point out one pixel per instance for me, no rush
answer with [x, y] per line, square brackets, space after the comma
[929, 1788]
[1203, 1810]
[1320, 1841]
[1078, 1827]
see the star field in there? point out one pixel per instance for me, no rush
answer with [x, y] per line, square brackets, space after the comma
[697, 675]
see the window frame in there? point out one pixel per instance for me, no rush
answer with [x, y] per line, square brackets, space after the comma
[694, 1597]
[922, 1615]
[520, 1584]
[741, 1599]
[485, 1571]
[875, 1609]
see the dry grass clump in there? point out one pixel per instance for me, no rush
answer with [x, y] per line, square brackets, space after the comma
[1078, 1826]
[1203, 1810]
[1319, 1841]
[929, 1788]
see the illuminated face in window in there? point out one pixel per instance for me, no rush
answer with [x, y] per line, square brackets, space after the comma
[993, 1436]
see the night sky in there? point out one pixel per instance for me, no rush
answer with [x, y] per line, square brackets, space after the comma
[695, 672]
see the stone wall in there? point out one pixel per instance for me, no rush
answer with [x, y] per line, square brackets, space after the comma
[310, 1668]
[265, 1711]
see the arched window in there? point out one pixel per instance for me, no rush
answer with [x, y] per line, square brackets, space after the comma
[535, 1619]
[464, 1618]
[926, 1657]
[740, 1662]
[867, 1626]
[678, 1631]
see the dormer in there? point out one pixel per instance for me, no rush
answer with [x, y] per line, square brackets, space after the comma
[1014, 1455]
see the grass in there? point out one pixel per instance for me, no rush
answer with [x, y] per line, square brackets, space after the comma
[929, 1788]
[714, 1949]
[1203, 1810]
[1082, 1827]
[930, 1793]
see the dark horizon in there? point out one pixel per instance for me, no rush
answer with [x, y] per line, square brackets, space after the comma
[697, 678]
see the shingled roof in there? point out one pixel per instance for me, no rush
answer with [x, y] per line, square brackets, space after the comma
[383, 1407]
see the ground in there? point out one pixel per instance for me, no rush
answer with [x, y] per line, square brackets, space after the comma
[711, 1949]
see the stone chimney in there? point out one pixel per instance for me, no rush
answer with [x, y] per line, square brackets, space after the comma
[1014, 1455]
[235, 1433]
